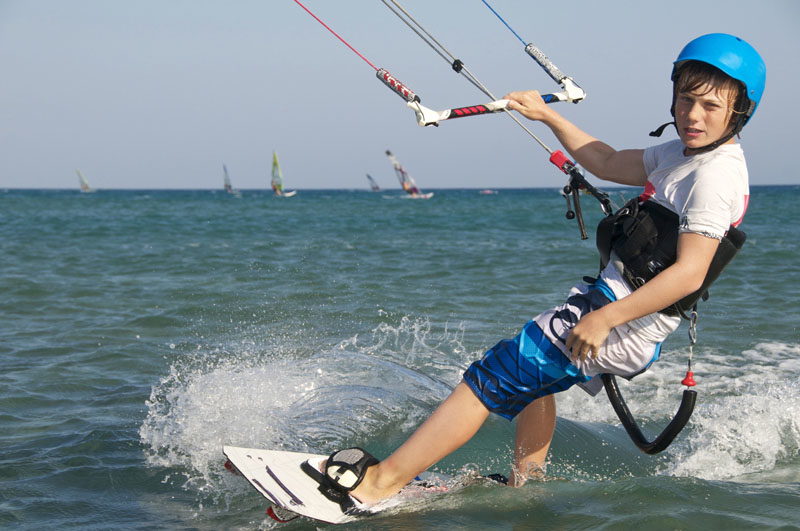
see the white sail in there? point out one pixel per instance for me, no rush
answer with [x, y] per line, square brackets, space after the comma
[83, 182]
[227, 182]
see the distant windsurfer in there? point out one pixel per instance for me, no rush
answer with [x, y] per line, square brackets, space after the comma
[406, 182]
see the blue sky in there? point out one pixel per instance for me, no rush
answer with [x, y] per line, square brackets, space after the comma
[161, 93]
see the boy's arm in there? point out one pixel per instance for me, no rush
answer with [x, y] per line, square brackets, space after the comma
[623, 167]
[685, 276]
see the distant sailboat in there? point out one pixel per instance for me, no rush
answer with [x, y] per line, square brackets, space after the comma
[277, 179]
[227, 180]
[84, 183]
[372, 184]
[406, 182]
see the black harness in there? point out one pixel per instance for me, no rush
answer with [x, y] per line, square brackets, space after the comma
[644, 236]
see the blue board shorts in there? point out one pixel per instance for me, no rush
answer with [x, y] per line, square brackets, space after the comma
[515, 372]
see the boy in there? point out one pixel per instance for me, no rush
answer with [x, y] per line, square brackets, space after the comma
[617, 324]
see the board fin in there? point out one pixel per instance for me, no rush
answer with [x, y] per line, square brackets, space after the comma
[281, 515]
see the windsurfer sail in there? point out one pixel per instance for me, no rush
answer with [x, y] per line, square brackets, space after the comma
[406, 181]
[277, 179]
[372, 184]
[227, 182]
[84, 183]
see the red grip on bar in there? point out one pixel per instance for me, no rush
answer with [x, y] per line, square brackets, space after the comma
[472, 110]
[559, 159]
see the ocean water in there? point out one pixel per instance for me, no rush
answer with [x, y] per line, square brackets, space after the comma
[140, 331]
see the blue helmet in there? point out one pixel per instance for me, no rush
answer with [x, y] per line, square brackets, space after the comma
[734, 57]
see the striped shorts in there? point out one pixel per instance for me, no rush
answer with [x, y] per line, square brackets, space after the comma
[515, 372]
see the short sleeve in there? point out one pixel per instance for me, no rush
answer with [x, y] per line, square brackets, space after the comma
[709, 203]
[650, 159]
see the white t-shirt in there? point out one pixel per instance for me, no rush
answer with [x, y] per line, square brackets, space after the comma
[709, 192]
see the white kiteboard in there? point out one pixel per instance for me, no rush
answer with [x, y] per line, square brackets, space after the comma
[277, 475]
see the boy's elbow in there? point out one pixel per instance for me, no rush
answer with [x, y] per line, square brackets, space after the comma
[694, 280]
[690, 276]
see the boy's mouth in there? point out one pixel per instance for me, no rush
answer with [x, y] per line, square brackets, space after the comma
[692, 132]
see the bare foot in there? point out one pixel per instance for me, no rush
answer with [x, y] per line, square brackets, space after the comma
[372, 489]
[534, 471]
[366, 492]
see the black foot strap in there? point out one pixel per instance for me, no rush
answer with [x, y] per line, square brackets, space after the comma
[344, 471]
[346, 468]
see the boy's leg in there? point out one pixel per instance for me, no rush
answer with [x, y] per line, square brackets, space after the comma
[453, 423]
[535, 426]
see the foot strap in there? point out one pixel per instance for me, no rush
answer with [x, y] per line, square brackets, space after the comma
[347, 468]
[344, 471]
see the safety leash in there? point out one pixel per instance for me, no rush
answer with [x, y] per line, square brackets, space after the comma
[688, 380]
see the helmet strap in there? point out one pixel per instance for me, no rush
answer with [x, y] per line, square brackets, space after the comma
[660, 130]
[738, 124]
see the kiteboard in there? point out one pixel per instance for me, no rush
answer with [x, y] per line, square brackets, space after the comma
[279, 477]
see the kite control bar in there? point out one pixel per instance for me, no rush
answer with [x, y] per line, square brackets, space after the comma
[426, 116]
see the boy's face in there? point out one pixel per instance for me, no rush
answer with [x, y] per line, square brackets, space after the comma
[703, 115]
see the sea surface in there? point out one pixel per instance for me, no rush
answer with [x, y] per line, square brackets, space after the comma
[140, 331]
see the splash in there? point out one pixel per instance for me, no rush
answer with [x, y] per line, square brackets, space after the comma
[746, 423]
[313, 402]
[753, 432]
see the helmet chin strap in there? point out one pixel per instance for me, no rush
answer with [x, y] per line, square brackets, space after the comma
[713, 145]
[660, 130]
